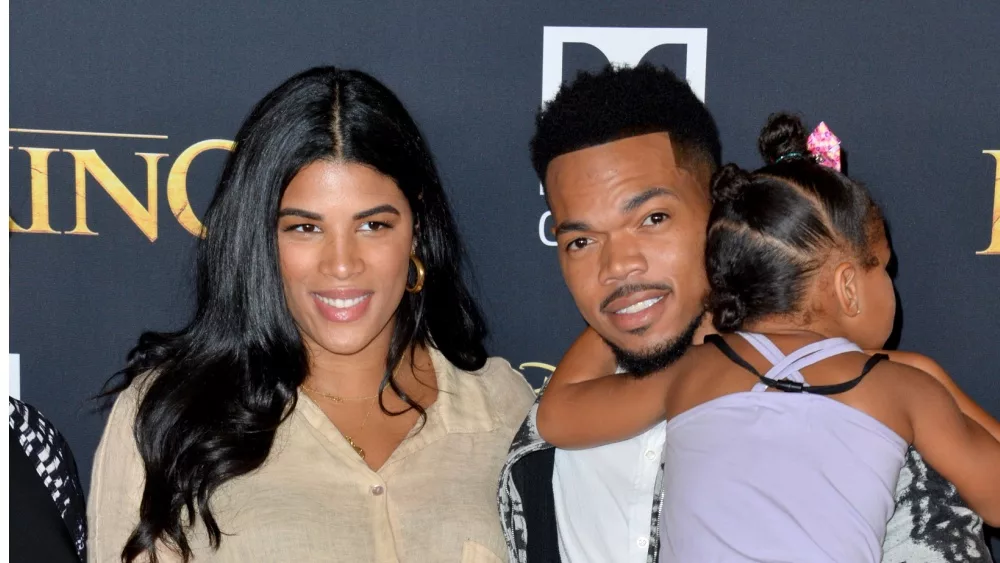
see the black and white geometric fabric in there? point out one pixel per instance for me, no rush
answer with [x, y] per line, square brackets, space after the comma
[52, 459]
[932, 522]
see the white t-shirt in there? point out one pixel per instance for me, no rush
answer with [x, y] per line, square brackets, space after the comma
[604, 499]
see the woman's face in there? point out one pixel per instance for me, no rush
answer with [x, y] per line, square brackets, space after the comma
[345, 232]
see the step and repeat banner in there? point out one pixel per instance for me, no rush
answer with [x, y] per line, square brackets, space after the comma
[121, 116]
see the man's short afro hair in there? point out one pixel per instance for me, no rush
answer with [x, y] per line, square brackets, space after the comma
[621, 102]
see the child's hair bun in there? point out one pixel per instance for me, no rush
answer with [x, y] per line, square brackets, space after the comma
[782, 136]
[728, 310]
[728, 182]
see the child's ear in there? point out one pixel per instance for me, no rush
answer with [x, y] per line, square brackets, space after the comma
[846, 282]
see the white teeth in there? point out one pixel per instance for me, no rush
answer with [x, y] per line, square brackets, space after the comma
[342, 303]
[640, 306]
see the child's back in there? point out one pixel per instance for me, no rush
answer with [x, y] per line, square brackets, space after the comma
[757, 476]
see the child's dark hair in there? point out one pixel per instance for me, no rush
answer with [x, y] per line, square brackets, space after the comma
[771, 229]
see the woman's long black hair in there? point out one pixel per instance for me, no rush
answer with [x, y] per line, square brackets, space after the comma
[221, 386]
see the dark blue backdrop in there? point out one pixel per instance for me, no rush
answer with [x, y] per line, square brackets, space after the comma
[911, 87]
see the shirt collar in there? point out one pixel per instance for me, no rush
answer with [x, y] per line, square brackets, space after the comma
[461, 405]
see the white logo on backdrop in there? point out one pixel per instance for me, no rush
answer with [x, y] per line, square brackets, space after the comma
[622, 46]
[15, 376]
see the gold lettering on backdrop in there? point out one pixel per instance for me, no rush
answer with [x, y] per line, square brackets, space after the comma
[39, 193]
[177, 194]
[994, 247]
[87, 133]
[143, 217]
[547, 367]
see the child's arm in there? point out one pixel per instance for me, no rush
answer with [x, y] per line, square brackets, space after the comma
[961, 450]
[586, 404]
[965, 403]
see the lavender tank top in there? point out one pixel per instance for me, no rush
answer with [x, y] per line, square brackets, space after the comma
[778, 477]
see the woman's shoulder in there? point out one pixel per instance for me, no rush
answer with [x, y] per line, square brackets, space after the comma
[506, 389]
[125, 405]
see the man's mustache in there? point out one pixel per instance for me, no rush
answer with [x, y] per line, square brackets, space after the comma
[629, 289]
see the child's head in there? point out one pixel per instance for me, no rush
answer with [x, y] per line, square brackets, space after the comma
[797, 243]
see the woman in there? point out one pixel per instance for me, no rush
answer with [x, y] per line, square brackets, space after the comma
[332, 399]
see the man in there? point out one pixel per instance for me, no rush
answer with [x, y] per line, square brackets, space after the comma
[626, 156]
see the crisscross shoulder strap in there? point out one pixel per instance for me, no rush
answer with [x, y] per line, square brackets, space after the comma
[784, 375]
[771, 353]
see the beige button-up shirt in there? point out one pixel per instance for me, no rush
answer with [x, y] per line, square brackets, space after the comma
[314, 499]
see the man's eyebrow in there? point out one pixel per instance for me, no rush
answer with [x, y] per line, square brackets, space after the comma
[296, 212]
[637, 200]
[632, 204]
[570, 226]
[386, 208]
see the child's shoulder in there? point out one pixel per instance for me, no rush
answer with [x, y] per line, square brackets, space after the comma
[909, 373]
[913, 360]
[908, 364]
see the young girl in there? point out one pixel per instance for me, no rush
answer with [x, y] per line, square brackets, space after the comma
[784, 440]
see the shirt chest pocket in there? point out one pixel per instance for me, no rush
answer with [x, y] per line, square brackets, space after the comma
[473, 552]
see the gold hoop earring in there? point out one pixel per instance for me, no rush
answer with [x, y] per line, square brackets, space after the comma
[418, 284]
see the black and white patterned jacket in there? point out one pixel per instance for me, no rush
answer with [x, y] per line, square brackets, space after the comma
[931, 523]
[52, 459]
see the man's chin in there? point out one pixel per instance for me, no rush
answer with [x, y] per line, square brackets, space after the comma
[644, 361]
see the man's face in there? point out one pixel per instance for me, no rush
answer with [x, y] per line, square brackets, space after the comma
[630, 225]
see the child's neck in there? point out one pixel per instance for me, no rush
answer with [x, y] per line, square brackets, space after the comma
[784, 327]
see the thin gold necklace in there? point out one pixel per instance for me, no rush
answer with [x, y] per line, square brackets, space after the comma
[337, 398]
[357, 448]
[368, 413]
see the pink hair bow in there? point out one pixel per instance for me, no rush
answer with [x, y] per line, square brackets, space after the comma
[824, 146]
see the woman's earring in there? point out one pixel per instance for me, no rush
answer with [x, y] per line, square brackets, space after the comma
[418, 284]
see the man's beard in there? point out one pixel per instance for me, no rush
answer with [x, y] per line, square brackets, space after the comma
[644, 362]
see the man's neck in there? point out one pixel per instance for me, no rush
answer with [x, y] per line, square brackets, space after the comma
[704, 330]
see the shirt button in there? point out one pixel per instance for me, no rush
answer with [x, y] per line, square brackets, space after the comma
[642, 542]
[377, 490]
[650, 455]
